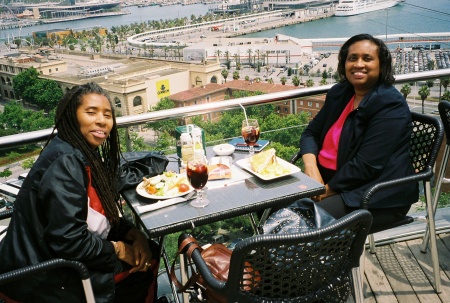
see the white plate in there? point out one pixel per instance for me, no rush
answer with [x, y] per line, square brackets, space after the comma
[245, 164]
[141, 191]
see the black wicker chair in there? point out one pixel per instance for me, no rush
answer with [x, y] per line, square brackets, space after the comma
[28, 271]
[426, 139]
[313, 266]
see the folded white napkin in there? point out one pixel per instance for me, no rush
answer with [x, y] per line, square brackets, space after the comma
[160, 204]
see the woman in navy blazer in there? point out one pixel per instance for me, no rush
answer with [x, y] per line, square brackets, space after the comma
[361, 135]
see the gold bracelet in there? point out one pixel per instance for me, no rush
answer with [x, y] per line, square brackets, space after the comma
[116, 247]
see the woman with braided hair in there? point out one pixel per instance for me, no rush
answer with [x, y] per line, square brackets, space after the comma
[68, 207]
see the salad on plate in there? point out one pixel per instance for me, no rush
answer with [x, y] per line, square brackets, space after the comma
[167, 185]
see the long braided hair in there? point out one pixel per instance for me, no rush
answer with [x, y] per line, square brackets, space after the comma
[104, 161]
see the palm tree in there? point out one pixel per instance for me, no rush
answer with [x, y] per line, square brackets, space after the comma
[224, 74]
[424, 92]
[249, 52]
[443, 82]
[296, 80]
[283, 80]
[323, 81]
[405, 90]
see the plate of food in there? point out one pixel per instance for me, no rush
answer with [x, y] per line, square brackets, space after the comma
[267, 166]
[165, 186]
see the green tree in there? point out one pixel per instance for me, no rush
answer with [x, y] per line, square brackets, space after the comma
[28, 163]
[405, 90]
[323, 81]
[309, 82]
[167, 126]
[236, 75]
[445, 82]
[283, 80]
[424, 92]
[225, 74]
[36, 120]
[12, 116]
[6, 173]
[25, 80]
[446, 95]
[45, 93]
[296, 80]
[137, 143]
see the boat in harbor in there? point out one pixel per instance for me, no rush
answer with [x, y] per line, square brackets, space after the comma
[356, 7]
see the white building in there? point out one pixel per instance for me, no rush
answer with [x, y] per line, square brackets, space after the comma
[278, 51]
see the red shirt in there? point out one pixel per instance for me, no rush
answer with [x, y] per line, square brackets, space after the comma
[328, 154]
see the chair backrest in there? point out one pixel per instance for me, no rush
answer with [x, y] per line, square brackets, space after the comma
[444, 112]
[426, 140]
[295, 267]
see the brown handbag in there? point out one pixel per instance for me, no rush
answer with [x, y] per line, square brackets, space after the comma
[216, 256]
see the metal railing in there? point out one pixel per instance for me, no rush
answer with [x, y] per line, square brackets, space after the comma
[188, 111]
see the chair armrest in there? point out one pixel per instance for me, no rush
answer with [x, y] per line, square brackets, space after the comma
[200, 264]
[6, 214]
[40, 267]
[422, 176]
[295, 157]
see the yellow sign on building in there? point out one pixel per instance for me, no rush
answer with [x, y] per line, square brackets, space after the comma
[162, 88]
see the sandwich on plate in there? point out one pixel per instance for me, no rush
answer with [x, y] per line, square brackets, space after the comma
[265, 163]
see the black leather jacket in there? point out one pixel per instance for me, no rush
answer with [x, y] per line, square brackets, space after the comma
[374, 144]
[49, 221]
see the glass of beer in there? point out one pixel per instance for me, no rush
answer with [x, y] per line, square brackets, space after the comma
[197, 174]
[250, 133]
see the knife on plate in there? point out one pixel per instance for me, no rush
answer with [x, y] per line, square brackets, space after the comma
[164, 203]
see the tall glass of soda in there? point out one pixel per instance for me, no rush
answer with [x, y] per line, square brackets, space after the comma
[197, 174]
[250, 133]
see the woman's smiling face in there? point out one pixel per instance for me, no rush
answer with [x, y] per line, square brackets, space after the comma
[95, 118]
[362, 66]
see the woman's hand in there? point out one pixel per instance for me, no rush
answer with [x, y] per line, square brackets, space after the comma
[124, 252]
[141, 250]
[328, 193]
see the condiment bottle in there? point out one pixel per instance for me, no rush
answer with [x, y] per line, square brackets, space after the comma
[197, 140]
[187, 151]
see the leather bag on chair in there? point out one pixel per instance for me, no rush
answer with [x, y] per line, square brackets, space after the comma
[217, 257]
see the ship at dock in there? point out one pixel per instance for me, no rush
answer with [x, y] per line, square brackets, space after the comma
[51, 12]
[356, 7]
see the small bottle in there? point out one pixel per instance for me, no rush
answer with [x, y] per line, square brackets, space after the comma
[187, 151]
[198, 140]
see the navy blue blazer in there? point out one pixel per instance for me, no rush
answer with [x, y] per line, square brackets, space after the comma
[374, 145]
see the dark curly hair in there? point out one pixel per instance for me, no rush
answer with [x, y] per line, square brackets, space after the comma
[104, 161]
[386, 71]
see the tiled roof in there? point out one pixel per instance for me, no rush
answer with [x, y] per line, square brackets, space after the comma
[197, 92]
[258, 86]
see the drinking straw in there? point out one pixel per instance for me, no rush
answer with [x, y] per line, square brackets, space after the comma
[245, 113]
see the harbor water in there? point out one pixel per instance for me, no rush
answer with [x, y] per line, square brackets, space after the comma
[411, 16]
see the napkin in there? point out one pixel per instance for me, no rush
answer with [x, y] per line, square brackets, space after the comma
[160, 204]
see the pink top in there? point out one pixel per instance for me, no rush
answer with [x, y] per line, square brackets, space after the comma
[328, 154]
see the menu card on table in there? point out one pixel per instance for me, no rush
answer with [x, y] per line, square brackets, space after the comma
[240, 144]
